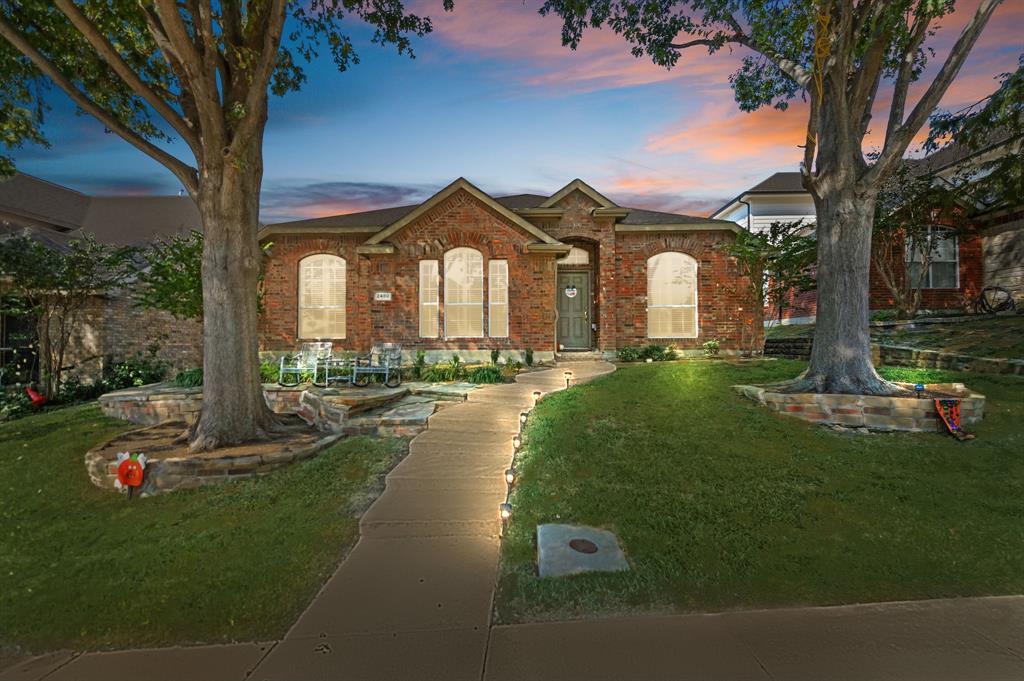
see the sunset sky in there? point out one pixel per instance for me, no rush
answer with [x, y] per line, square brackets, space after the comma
[494, 97]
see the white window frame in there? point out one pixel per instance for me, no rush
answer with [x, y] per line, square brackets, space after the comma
[492, 294]
[696, 295]
[910, 256]
[344, 298]
[426, 305]
[447, 298]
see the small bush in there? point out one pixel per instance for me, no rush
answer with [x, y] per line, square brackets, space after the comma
[529, 357]
[445, 372]
[419, 365]
[511, 370]
[192, 378]
[270, 372]
[134, 372]
[73, 390]
[495, 356]
[628, 354]
[14, 404]
[711, 348]
[488, 373]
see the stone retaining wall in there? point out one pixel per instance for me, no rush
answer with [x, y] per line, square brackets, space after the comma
[897, 355]
[149, 405]
[167, 475]
[869, 411]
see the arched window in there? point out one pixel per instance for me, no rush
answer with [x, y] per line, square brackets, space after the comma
[463, 293]
[322, 296]
[671, 296]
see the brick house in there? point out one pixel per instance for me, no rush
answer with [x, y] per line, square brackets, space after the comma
[957, 271]
[465, 272]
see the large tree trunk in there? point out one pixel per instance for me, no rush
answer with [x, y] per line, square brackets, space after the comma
[841, 354]
[234, 409]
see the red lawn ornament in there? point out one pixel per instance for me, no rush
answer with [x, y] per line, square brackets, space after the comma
[131, 471]
[37, 399]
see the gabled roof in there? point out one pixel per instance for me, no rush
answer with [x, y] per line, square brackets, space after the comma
[42, 201]
[580, 186]
[461, 184]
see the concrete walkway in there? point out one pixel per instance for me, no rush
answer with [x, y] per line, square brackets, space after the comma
[413, 601]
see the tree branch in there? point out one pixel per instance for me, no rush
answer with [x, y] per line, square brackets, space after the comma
[182, 171]
[899, 96]
[897, 144]
[255, 99]
[114, 60]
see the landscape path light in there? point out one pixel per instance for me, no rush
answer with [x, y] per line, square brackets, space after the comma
[523, 416]
[505, 510]
[517, 442]
[568, 377]
[536, 396]
[510, 476]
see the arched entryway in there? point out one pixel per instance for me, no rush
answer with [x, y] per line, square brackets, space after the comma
[574, 294]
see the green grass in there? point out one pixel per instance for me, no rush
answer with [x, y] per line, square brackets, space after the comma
[983, 337]
[720, 504]
[84, 568]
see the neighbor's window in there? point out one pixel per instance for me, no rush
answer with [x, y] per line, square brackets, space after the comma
[463, 293]
[944, 267]
[322, 296]
[497, 298]
[428, 299]
[575, 256]
[671, 296]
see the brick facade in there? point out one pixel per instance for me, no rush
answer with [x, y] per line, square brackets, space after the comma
[618, 275]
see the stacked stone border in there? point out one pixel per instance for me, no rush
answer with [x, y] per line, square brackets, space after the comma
[168, 475]
[157, 403]
[898, 355]
[910, 414]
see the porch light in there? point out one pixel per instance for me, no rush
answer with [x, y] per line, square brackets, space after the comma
[568, 377]
[510, 476]
[505, 510]
[536, 396]
[517, 442]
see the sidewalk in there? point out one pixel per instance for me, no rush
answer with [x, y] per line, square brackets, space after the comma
[413, 601]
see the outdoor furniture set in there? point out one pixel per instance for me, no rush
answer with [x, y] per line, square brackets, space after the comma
[318, 360]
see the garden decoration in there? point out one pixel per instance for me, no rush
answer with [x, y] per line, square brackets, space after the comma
[131, 471]
[37, 400]
[949, 412]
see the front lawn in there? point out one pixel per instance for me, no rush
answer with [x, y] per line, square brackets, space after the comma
[720, 504]
[84, 568]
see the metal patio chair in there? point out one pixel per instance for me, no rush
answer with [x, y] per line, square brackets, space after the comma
[308, 360]
[385, 359]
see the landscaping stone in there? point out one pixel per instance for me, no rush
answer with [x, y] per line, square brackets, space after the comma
[874, 412]
[442, 391]
[572, 549]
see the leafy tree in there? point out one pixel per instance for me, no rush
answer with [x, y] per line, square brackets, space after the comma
[53, 285]
[168, 275]
[833, 54]
[997, 119]
[777, 263]
[915, 213]
[202, 72]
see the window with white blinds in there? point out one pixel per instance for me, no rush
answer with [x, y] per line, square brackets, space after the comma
[322, 296]
[463, 293]
[671, 296]
[497, 298]
[428, 299]
[943, 261]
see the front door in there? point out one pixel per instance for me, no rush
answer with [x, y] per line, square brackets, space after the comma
[573, 294]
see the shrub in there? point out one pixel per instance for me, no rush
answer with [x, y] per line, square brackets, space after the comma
[134, 372]
[419, 366]
[191, 378]
[488, 373]
[511, 370]
[657, 353]
[14, 404]
[270, 372]
[711, 348]
[73, 390]
[445, 372]
[495, 356]
[628, 354]
[529, 357]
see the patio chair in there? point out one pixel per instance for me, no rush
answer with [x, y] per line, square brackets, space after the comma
[385, 359]
[307, 360]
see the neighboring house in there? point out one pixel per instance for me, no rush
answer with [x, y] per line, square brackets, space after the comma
[114, 328]
[957, 271]
[466, 273]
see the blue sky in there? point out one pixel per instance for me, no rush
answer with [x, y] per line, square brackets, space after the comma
[492, 96]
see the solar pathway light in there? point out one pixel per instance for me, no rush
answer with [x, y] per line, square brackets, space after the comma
[919, 389]
[517, 442]
[536, 396]
[567, 375]
[505, 510]
[523, 416]
[510, 476]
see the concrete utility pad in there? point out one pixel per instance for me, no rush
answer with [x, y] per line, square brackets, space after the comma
[572, 549]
